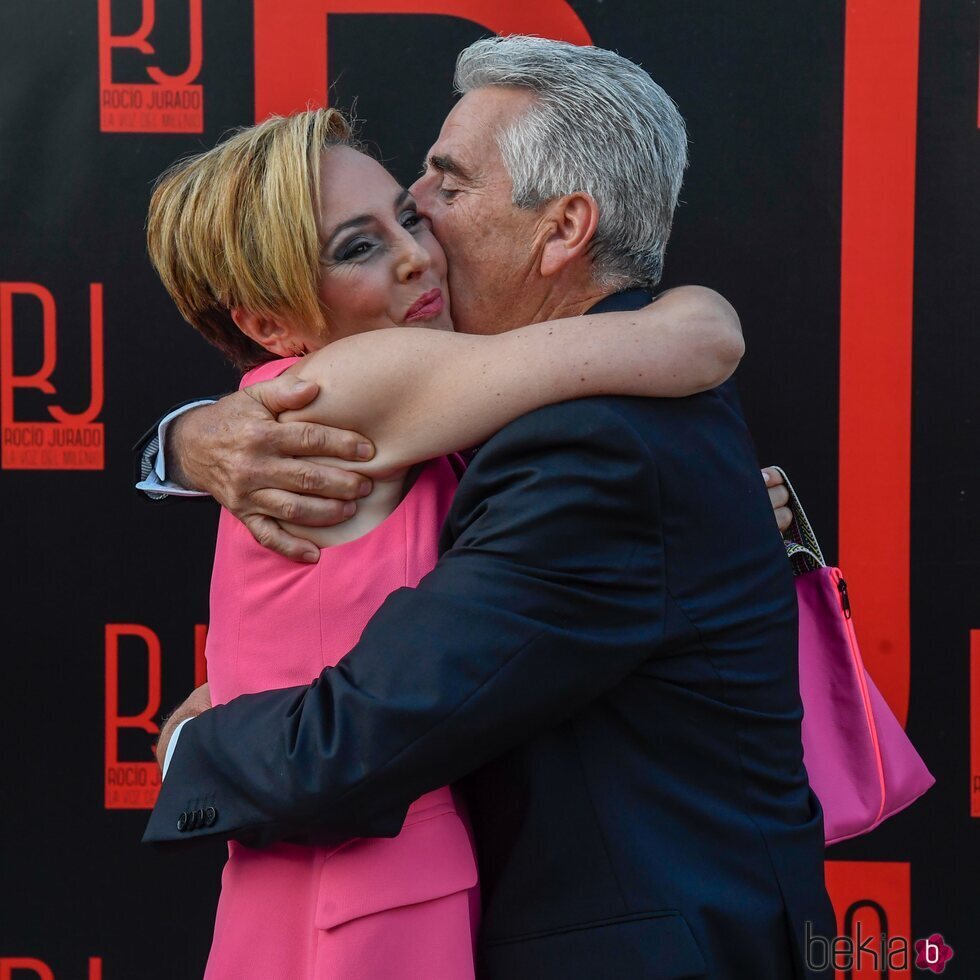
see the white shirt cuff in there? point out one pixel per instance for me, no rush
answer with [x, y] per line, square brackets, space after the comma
[171, 746]
[155, 483]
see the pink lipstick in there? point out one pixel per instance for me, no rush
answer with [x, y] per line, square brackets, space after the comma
[428, 306]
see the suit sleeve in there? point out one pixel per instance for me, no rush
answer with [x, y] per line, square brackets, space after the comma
[551, 594]
[149, 461]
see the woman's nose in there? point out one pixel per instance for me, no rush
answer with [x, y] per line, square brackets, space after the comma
[412, 260]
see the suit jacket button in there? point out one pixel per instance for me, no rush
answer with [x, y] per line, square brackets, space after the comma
[210, 815]
[182, 822]
[198, 819]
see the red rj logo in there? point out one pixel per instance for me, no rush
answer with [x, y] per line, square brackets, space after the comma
[171, 104]
[133, 784]
[31, 968]
[75, 440]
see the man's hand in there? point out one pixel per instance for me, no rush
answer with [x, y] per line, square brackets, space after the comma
[198, 702]
[778, 497]
[236, 451]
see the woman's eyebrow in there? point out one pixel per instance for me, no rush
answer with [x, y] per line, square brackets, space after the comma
[363, 219]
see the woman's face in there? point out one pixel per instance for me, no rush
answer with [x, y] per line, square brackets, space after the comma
[380, 264]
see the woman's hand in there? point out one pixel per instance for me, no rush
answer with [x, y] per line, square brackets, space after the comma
[256, 467]
[778, 497]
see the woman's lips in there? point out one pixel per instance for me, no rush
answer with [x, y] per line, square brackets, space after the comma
[428, 306]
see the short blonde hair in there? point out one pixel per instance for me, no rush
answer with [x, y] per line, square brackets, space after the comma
[236, 226]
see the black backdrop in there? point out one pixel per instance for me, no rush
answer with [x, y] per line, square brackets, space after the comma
[105, 596]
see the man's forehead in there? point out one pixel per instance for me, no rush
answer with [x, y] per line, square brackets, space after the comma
[469, 132]
[453, 153]
[461, 137]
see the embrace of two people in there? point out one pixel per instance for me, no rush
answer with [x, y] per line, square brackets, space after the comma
[526, 712]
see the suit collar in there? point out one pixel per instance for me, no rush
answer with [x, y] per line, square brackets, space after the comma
[627, 299]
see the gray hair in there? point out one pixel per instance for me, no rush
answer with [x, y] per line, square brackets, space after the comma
[600, 125]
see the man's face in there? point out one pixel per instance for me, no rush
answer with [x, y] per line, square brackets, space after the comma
[465, 192]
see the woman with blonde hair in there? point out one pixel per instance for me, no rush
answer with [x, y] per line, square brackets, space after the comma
[290, 249]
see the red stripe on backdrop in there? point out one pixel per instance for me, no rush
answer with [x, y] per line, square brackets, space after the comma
[877, 225]
[975, 723]
[875, 896]
[200, 658]
[291, 38]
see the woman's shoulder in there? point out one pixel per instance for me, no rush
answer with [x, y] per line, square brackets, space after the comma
[266, 371]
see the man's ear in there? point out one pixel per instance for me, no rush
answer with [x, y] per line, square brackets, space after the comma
[569, 225]
[269, 332]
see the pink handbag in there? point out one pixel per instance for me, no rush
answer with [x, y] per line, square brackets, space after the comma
[861, 764]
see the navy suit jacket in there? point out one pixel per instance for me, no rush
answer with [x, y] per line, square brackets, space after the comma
[606, 657]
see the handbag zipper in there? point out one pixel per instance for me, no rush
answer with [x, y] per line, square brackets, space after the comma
[844, 598]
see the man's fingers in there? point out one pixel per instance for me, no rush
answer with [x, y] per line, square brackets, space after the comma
[298, 509]
[306, 438]
[283, 393]
[270, 535]
[311, 439]
[784, 517]
[305, 476]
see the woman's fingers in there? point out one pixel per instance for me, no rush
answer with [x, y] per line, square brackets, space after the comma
[778, 497]
[784, 517]
[772, 476]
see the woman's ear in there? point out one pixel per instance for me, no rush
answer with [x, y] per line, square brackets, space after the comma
[570, 224]
[275, 335]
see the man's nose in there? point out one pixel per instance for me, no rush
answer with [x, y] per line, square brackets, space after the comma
[421, 190]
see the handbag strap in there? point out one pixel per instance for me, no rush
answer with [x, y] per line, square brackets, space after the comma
[802, 547]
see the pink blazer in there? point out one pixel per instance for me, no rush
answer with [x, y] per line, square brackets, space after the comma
[405, 907]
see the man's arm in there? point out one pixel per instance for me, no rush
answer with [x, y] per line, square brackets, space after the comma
[256, 467]
[551, 594]
[778, 498]
[150, 459]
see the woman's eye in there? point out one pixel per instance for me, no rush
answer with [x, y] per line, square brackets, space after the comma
[410, 219]
[355, 250]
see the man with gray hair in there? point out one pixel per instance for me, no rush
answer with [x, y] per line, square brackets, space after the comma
[606, 651]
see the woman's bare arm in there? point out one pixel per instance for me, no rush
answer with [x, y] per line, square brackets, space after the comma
[419, 393]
